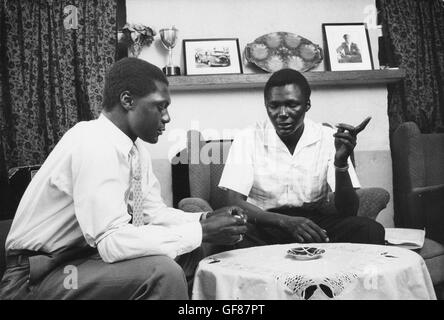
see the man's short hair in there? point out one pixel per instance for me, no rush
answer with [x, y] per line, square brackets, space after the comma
[130, 74]
[288, 76]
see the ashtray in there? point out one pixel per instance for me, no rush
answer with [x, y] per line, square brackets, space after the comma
[306, 253]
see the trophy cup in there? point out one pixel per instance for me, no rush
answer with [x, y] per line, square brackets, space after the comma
[169, 39]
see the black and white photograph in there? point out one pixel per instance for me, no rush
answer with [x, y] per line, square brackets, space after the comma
[212, 56]
[237, 158]
[347, 46]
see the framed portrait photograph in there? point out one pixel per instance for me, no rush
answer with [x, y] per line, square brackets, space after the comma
[347, 46]
[212, 56]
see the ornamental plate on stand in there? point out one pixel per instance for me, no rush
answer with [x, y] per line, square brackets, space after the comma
[279, 50]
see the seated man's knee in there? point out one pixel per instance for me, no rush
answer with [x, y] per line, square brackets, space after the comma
[165, 279]
[168, 270]
[368, 231]
[376, 232]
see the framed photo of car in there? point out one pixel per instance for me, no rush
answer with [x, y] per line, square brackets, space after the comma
[347, 46]
[212, 56]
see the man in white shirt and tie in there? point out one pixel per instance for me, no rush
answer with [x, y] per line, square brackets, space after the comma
[92, 224]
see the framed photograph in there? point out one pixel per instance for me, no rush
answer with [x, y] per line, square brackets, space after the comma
[212, 56]
[347, 46]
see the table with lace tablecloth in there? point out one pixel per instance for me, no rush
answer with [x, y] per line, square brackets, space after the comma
[345, 271]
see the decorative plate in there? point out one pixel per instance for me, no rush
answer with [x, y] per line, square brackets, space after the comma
[279, 50]
[306, 253]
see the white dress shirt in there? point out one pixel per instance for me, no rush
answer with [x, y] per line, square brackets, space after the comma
[261, 167]
[77, 198]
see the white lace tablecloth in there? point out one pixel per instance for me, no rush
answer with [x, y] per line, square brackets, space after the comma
[345, 271]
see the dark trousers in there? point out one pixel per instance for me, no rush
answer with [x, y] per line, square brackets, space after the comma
[89, 277]
[339, 229]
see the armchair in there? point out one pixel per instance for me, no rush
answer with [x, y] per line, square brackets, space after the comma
[18, 180]
[418, 189]
[5, 225]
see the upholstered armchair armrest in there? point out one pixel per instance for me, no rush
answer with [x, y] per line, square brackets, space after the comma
[371, 202]
[194, 205]
[430, 202]
[419, 191]
[417, 201]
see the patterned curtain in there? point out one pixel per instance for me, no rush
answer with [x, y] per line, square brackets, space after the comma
[414, 33]
[53, 58]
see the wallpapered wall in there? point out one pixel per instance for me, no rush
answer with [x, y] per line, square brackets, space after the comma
[215, 111]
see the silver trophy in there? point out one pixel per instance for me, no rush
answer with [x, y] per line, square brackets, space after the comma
[169, 39]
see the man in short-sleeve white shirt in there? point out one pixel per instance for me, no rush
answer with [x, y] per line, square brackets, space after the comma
[280, 170]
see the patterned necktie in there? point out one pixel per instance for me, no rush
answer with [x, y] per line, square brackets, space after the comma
[135, 198]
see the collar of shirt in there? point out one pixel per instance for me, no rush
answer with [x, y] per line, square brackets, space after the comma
[310, 135]
[122, 142]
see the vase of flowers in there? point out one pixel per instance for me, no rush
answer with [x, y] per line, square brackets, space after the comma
[136, 36]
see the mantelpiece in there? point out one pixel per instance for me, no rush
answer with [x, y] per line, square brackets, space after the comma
[257, 80]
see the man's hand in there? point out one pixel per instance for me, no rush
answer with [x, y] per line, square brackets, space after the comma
[345, 141]
[224, 226]
[304, 230]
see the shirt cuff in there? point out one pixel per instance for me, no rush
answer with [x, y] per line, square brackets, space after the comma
[235, 188]
[191, 236]
[194, 216]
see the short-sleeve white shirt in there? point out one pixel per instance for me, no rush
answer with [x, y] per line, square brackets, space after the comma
[260, 166]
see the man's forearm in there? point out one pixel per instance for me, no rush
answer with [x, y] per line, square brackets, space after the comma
[346, 199]
[258, 216]
[129, 242]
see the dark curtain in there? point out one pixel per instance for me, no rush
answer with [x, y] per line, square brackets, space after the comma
[122, 48]
[51, 77]
[414, 38]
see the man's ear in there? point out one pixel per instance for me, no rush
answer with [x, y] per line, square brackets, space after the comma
[308, 105]
[126, 100]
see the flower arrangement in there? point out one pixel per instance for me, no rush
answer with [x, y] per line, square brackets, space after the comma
[136, 36]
